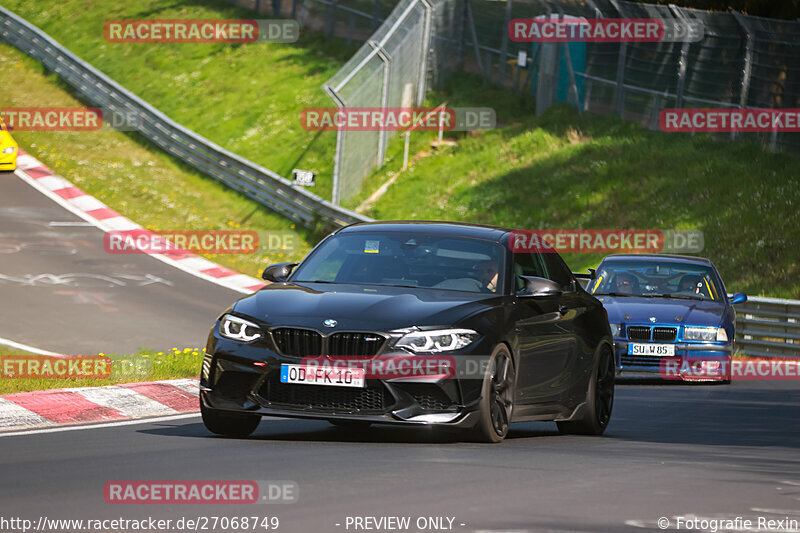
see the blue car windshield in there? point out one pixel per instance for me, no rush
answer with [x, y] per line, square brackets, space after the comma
[666, 279]
[406, 260]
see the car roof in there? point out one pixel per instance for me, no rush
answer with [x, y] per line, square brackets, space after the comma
[660, 257]
[461, 229]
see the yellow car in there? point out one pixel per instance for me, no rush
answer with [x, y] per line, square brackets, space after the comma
[8, 149]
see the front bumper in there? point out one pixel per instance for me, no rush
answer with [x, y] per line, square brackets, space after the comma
[8, 162]
[691, 362]
[245, 378]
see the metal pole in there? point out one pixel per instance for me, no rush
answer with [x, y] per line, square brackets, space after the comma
[504, 44]
[405, 150]
[683, 60]
[337, 157]
[475, 48]
[573, 85]
[426, 43]
[619, 88]
[384, 98]
[747, 71]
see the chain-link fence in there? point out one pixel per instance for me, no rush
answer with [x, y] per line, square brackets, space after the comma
[741, 62]
[391, 70]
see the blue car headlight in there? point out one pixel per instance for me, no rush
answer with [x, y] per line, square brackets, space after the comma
[615, 329]
[697, 333]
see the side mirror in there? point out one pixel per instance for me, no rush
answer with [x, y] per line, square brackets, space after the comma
[738, 298]
[540, 287]
[278, 272]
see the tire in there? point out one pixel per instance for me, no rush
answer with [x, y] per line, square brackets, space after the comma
[352, 424]
[599, 400]
[497, 398]
[229, 424]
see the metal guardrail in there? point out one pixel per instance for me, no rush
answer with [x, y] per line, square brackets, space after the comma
[259, 183]
[768, 327]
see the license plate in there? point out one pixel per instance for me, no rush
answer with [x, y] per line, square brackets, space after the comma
[655, 350]
[321, 375]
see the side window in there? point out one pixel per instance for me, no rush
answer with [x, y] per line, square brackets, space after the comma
[527, 264]
[559, 272]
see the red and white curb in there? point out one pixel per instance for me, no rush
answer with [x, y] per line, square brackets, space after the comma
[92, 210]
[43, 409]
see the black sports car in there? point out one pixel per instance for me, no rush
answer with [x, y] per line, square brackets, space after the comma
[512, 337]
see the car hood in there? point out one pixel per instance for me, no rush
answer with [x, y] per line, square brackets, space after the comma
[358, 307]
[6, 139]
[666, 310]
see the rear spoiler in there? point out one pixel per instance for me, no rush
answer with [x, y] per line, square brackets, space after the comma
[591, 275]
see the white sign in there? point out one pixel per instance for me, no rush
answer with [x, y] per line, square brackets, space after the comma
[303, 177]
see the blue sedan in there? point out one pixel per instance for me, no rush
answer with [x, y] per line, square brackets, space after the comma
[670, 316]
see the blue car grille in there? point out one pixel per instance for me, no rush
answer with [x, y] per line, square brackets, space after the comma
[638, 333]
[646, 333]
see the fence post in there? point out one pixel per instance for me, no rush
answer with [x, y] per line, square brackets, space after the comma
[573, 85]
[619, 87]
[384, 96]
[748, 62]
[294, 9]
[376, 15]
[683, 59]
[501, 76]
[337, 156]
[330, 18]
[474, 33]
[426, 43]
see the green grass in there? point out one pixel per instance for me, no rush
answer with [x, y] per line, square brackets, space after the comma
[246, 98]
[136, 178]
[555, 171]
[142, 366]
[564, 171]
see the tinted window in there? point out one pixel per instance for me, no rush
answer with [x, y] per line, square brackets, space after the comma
[558, 270]
[407, 259]
[527, 264]
[658, 278]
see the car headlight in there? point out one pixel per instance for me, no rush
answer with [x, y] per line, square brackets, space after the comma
[436, 341]
[9, 150]
[614, 329]
[239, 329]
[695, 333]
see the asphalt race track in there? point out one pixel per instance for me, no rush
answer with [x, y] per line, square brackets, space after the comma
[77, 299]
[670, 450]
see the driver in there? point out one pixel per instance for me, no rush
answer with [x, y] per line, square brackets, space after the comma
[626, 283]
[487, 273]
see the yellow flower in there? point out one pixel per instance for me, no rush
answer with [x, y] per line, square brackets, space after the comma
[160, 353]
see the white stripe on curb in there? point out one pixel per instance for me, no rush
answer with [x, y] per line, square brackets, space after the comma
[82, 204]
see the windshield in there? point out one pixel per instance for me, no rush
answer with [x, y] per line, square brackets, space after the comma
[406, 260]
[657, 279]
